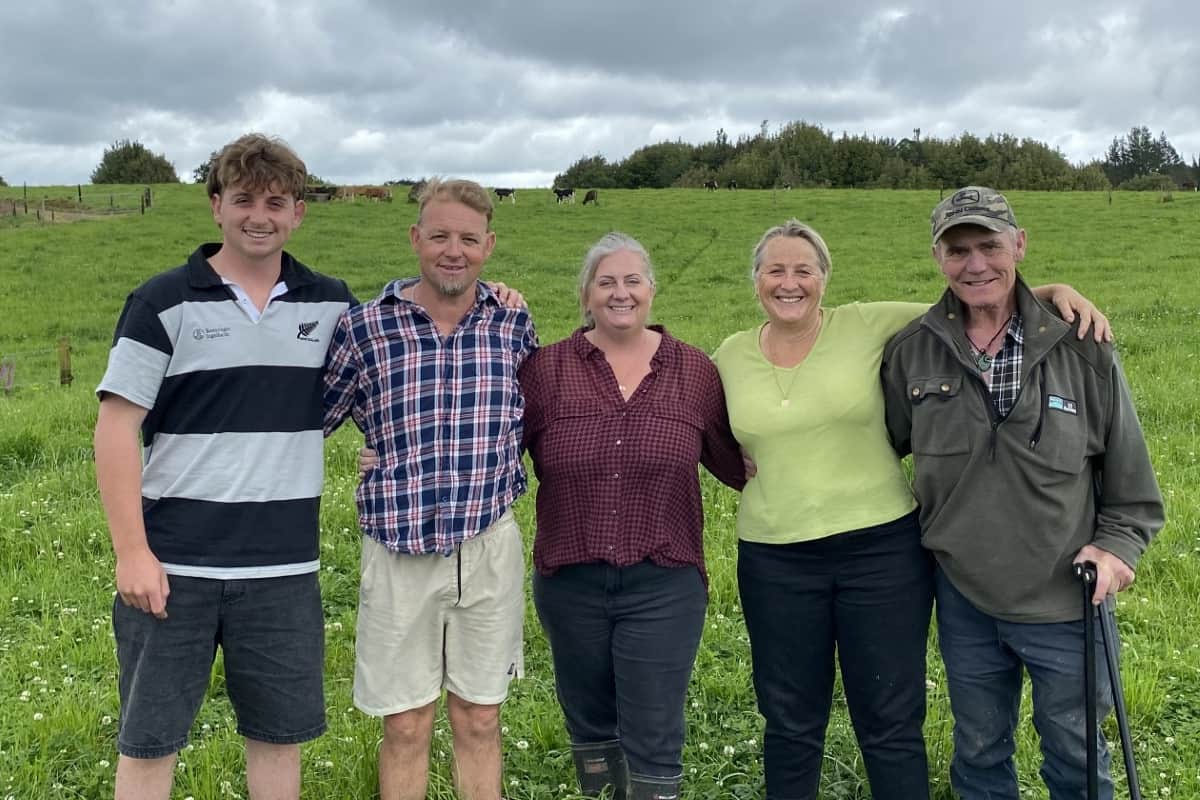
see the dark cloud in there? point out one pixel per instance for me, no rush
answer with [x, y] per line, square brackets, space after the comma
[371, 90]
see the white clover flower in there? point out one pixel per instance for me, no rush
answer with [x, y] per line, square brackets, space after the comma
[703, 745]
[522, 744]
[38, 716]
[728, 750]
[103, 763]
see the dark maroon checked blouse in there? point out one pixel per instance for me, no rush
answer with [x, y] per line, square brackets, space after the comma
[618, 481]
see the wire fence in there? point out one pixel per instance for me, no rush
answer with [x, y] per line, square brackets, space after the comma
[67, 205]
[28, 369]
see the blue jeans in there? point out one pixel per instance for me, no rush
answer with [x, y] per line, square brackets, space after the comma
[984, 659]
[867, 596]
[624, 640]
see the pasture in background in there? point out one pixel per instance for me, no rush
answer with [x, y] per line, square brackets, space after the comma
[1135, 256]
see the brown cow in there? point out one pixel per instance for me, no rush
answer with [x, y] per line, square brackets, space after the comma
[371, 192]
[592, 197]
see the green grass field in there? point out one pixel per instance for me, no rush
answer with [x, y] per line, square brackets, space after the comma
[1135, 256]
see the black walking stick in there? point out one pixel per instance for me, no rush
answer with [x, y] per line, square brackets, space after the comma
[1086, 572]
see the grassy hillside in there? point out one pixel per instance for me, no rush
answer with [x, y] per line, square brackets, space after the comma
[1134, 256]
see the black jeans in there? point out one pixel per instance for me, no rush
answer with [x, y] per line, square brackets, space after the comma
[866, 594]
[623, 641]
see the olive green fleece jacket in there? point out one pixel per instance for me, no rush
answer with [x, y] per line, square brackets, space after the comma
[1006, 504]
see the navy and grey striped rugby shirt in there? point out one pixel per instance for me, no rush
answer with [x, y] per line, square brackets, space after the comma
[233, 463]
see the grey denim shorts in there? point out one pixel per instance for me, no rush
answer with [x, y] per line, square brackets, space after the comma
[272, 636]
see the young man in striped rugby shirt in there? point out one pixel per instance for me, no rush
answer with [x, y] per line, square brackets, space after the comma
[218, 365]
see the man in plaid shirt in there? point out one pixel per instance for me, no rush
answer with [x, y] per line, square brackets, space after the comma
[428, 371]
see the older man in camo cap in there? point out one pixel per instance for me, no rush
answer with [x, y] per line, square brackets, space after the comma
[1028, 457]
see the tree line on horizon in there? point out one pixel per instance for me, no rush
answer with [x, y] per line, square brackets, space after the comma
[801, 154]
[804, 155]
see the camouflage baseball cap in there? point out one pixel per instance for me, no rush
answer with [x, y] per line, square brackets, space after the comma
[974, 205]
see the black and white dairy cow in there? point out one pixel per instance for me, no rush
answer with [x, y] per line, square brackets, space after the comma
[503, 194]
[711, 185]
[564, 195]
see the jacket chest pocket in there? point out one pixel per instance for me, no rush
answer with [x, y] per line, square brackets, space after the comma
[1062, 441]
[940, 424]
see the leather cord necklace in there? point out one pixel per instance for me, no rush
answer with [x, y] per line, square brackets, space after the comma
[983, 361]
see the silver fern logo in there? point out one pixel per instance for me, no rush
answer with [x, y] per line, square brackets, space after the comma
[306, 329]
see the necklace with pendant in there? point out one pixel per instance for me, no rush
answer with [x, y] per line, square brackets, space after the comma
[785, 396]
[983, 361]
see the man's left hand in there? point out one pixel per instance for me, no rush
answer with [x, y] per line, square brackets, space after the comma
[1112, 574]
[508, 296]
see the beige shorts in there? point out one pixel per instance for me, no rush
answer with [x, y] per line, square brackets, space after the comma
[432, 622]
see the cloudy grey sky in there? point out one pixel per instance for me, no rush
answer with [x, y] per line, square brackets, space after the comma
[512, 92]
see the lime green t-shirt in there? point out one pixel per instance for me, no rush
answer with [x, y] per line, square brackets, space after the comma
[825, 464]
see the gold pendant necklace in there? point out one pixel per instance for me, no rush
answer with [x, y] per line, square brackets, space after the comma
[785, 397]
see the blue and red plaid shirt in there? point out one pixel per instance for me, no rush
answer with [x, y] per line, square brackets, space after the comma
[443, 414]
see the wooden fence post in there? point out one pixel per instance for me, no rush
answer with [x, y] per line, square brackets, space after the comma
[64, 362]
[79, 192]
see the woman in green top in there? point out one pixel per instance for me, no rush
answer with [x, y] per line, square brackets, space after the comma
[829, 552]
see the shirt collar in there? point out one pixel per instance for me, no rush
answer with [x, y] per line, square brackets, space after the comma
[201, 275]
[392, 293]
[585, 349]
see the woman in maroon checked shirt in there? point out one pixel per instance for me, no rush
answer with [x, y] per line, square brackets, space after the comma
[617, 417]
